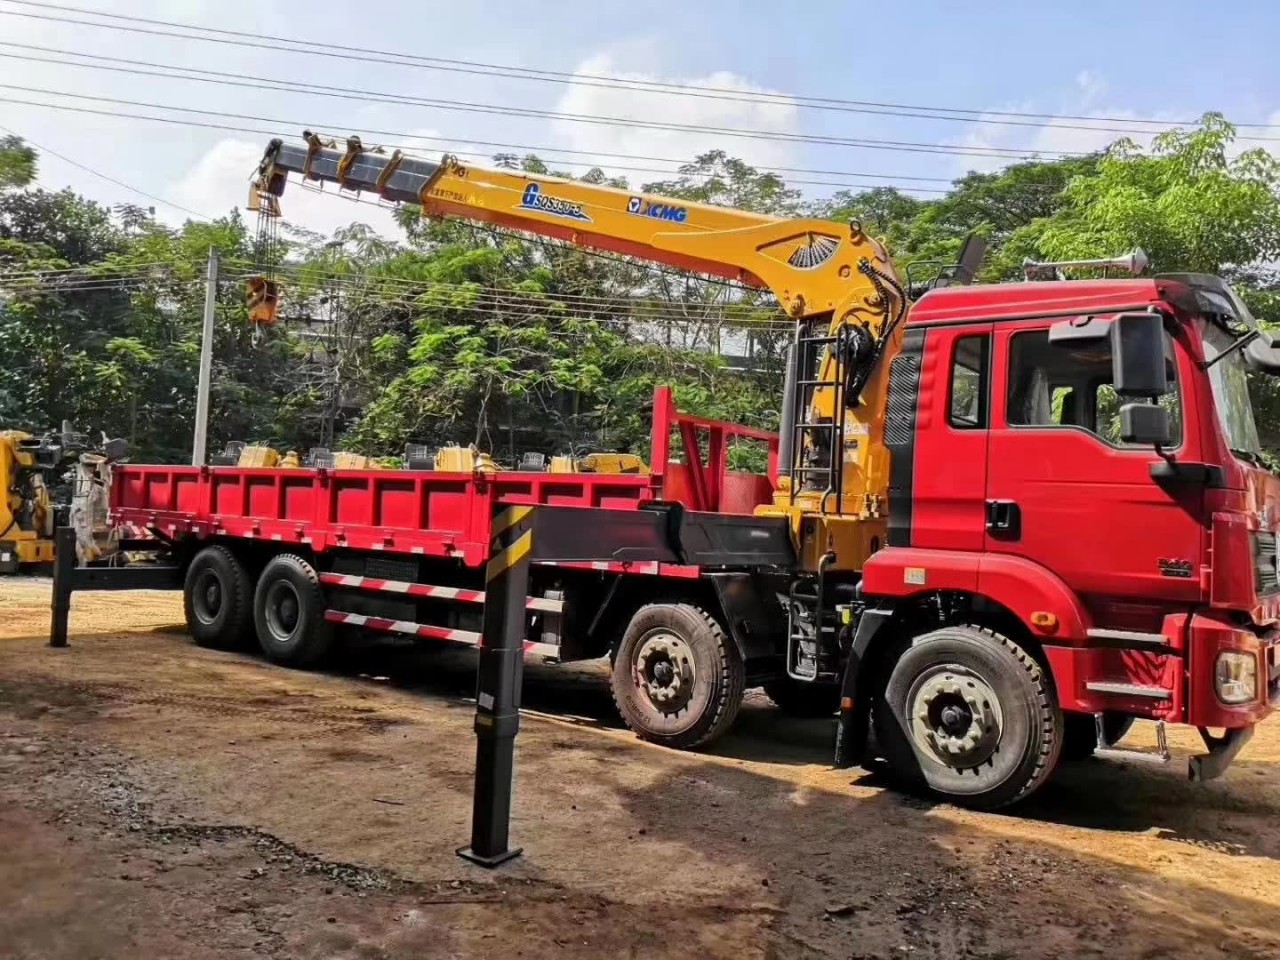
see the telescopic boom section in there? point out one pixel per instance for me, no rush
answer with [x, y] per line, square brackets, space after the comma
[810, 265]
[837, 282]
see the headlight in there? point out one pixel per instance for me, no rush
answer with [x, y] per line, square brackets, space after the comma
[1236, 677]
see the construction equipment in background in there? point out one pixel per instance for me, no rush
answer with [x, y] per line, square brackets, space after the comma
[50, 481]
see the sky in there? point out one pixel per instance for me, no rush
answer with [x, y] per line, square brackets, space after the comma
[1140, 61]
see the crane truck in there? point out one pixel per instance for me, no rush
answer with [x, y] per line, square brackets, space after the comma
[1000, 522]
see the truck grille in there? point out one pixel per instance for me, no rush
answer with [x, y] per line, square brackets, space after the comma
[1266, 577]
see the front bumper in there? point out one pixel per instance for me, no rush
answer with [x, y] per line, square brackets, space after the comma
[1207, 637]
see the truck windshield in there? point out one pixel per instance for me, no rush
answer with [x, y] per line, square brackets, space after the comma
[1231, 393]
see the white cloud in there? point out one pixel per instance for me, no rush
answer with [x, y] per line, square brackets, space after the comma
[999, 130]
[682, 145]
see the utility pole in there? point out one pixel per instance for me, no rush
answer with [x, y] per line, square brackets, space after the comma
[198, 449]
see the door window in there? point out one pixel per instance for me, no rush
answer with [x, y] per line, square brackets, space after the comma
[1071, 387]
[969, 381]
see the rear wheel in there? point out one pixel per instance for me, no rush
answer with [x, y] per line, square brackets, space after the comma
[677, 678]
[217, 599]
[796, 698]
[969, 715]
[288, 612]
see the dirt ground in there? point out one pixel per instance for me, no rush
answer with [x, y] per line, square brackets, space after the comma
[159, 800]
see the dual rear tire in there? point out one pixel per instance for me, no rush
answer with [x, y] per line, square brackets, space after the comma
[285, 609]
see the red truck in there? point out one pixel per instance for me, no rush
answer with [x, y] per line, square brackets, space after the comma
[998, 524]
[1042, 582]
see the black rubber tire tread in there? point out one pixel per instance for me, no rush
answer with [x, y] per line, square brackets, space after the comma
[1038, 762]
[796, 698]
[728, 681]
[314, 636]
[232, 628]
[1080, 735]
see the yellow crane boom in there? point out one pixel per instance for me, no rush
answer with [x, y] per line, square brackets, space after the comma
[833, 279]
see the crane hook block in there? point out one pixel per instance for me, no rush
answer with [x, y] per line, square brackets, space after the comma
[263, 301]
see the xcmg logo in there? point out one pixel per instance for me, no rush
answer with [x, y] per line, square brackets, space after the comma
[535, 199]
[641, 207]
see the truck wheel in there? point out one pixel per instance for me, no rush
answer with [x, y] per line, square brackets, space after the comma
[217, 599]
[1080, 734]
[677, 679]
[969, 715]
[796, 698]
[288, 612]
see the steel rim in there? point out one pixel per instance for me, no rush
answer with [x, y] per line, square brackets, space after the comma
[283, 609]
[955, 716]
[206, 597]
[664, 671]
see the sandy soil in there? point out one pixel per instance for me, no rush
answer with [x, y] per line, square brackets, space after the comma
[158, 800]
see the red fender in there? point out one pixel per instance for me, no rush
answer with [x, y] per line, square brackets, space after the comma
[1016, 583]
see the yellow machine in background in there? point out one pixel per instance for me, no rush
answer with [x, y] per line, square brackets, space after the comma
[26, 514]
[599, 463]
[49, 482]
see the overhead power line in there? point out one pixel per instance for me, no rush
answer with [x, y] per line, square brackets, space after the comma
[903, 146]
[102, 176]
[170, 71]
[116, 21]
[278, 132]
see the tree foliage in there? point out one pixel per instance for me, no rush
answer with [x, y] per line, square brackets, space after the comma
[456, 332]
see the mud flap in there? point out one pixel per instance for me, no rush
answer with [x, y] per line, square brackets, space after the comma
[854, 720]
[1222, 750]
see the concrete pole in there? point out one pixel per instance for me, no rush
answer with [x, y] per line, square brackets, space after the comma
[199, 446]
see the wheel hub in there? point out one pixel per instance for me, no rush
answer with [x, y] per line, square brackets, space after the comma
[282, 610]
[207, 598]
[664, 671]
[955, 716]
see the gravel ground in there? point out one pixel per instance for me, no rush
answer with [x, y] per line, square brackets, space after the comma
[159, 800]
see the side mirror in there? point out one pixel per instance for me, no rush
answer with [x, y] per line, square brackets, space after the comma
[1263, 356]
[1146, 424]
[1137, 355]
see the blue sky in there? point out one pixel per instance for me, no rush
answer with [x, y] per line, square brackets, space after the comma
[1162, 61]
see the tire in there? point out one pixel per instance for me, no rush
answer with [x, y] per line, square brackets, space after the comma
[217, 598]
[1080, 734]
[677, 678]
[1006, 729]
[797, 698]
[288, 613]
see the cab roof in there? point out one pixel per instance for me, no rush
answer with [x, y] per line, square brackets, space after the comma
[1010, 301]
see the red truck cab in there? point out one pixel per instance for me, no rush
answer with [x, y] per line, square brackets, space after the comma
[1144, 576]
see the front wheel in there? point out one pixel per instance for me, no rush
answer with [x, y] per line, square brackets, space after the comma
[969, 715]
[677, 678]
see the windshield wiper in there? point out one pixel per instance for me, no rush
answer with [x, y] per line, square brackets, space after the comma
[1252, 456]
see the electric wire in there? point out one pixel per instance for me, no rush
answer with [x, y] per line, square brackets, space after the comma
[632, 84]
[901, 146]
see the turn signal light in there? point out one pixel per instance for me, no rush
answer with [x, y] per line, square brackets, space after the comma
[1044, 620]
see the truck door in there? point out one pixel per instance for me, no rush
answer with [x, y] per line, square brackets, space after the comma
[1064, 493]
[949, 486]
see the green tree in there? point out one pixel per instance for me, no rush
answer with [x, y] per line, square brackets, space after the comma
[1188, 202]
[17, 163]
